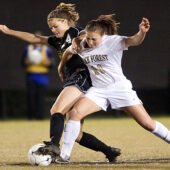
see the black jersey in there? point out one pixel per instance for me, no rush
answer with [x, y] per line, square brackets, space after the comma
[76, 72]
[61, 44]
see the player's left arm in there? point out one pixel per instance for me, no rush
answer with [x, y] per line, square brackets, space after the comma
[76, 42]
[138, 38]
[65, 57]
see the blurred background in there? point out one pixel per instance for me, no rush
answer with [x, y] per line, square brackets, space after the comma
[147, 66]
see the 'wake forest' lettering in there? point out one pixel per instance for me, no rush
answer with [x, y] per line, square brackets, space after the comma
[95, 58]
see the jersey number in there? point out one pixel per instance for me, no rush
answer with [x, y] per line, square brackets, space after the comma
[100, 69]
[68, 39]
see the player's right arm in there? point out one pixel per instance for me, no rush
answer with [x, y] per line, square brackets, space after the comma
[28, 37]
[138, 38]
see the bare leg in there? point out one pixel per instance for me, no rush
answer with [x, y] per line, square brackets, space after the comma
[142, 117]
[66, 100]
[80, 110]
[63, 104]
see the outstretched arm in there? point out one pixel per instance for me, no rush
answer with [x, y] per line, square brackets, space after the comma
[31, 38]
[138, 38]
[66, 56]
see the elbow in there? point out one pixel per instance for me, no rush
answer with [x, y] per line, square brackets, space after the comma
[134, 43]
[137, 43]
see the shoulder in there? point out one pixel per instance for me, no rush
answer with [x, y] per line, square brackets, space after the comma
[116, 42]
[113, 38]
[52, 38]
[75, 31]
[116, 37]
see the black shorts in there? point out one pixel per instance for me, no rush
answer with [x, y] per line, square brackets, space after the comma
[80, 78]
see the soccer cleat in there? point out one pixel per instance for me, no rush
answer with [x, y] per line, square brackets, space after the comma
[50, 149]
[112, 154]
[60, 160]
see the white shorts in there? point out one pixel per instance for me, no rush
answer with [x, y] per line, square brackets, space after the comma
[117, 95]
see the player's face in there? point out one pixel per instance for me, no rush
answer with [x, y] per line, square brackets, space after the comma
[93, 38]
[58, 27]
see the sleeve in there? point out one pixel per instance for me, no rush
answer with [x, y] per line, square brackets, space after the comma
[75, 31]
[54, 42]
[50, 40]
[117, 43]
[80, 30]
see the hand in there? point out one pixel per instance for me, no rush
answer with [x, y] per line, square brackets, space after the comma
[4, 29]
[144, 25]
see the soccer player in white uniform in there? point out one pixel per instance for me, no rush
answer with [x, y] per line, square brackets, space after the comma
[103, 54]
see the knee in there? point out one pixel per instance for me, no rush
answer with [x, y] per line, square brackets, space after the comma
[54, 110]
[74, 115]
[149, 125]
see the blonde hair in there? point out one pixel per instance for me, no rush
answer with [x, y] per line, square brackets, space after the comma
[105, 24]
[64, 11]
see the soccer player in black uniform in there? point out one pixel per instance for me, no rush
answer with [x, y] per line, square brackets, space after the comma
[62, 22]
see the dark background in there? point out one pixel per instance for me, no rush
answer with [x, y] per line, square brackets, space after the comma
[147, 66]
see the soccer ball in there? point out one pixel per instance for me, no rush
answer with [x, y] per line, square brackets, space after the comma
[35, 57]
[38, 159]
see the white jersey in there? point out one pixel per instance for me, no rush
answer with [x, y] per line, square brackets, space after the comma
[104, 61]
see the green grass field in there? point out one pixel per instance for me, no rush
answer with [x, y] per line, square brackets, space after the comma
[140, 149]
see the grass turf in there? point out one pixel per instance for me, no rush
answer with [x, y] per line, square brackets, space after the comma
[140, 149]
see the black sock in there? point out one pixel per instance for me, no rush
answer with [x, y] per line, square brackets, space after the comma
[91, 142]
[56, 128]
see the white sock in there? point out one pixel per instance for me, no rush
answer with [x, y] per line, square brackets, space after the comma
[162, 132]
[71, 133]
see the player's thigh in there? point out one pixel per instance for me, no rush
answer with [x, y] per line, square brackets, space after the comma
[139, 113]
[66, 99]
[83, 107]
